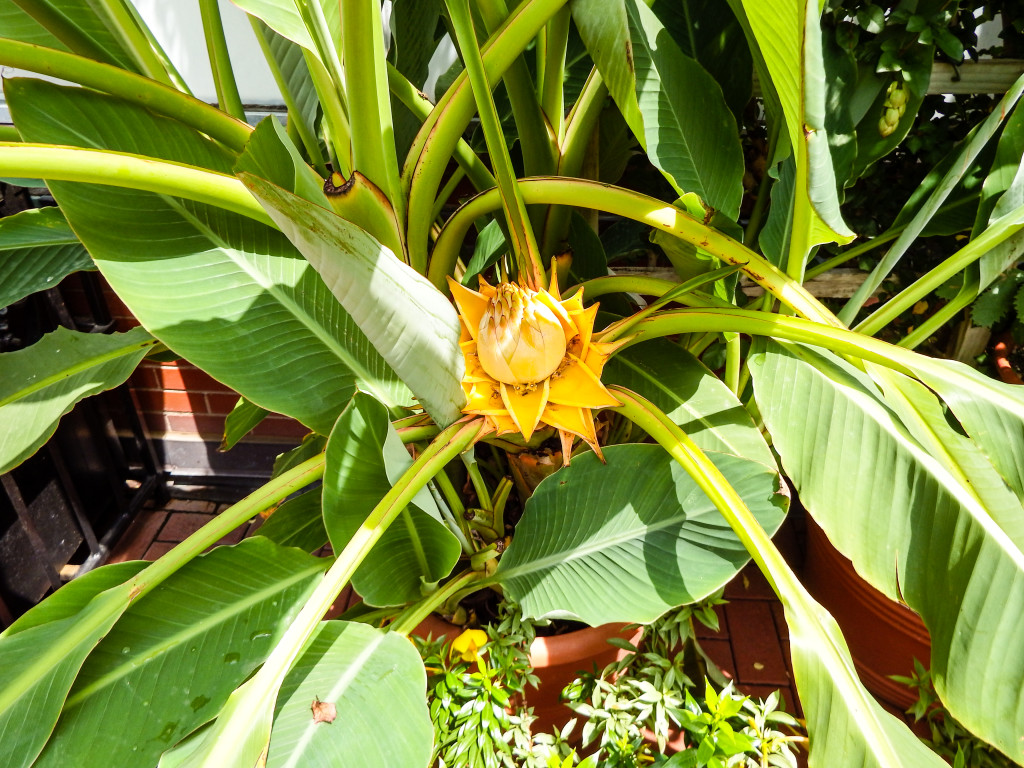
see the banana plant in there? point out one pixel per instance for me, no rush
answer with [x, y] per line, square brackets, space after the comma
[331, 267]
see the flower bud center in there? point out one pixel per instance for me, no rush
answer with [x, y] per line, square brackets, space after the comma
[521, 340]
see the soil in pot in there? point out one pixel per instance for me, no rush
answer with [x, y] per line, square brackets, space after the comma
[884, 636]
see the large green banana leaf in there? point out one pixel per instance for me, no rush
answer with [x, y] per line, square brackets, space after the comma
[226, 292]
[41, 383]
[376, 683]
[37, 250]
[788, 37]
[171, 660]
[911, 522]
[627, 540]
[656, 87]
[689, 394]
[363, 453]
[411, 324]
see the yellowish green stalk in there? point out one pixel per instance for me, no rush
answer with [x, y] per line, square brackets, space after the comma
[551, 75]
[306, 136]
[220, 60]
[535, 135]
[677, 293]
[133, 172]
[698, 346]
[732, 362]
[134, 88]
[415, 614]
[803, 212]
[369, 105]
[458, 509]
[434, 144]
[335, 123]
[521, 237]
[446, 192]
[631, 205]
[413, 100]
[576, 130]
[1002, 229]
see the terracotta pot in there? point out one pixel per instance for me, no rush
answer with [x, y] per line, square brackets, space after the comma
[1001, 353]
[556, 661]
[884, 636]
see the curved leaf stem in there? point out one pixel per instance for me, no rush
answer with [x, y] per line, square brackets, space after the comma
[240, 719]
[369, 107]
[141, 46]
[413, 100]
[120, 169]
[756, 323]
[129, 86]
[577, 130]
[732, 362]
[416, 613]
[539, 149]
[632, 205]
[851, 253]
[522, 240]
[551, 76]
[432, 148]
[1000, 230]
[335, 123]
[220, 60]
[446, 192]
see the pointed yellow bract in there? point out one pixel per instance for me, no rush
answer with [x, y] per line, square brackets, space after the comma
[531, 361]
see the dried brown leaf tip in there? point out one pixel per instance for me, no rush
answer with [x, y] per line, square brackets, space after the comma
[323, 711]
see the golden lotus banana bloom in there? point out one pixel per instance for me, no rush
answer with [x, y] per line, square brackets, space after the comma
[532, 361]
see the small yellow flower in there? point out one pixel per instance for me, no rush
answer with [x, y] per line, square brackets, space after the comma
[532, 361]
[469, 644]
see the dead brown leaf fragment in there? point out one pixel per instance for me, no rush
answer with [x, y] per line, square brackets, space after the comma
[323, 711]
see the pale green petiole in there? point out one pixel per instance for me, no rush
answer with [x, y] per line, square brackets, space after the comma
[121, 169]
[241, 733]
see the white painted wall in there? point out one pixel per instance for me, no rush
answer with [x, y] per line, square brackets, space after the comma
[178, 27]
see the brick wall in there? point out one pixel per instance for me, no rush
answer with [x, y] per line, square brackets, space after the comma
[177, 400]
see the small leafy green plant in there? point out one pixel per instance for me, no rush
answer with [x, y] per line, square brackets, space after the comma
[947, 736]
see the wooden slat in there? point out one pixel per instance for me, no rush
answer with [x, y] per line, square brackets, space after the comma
[985, 76]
